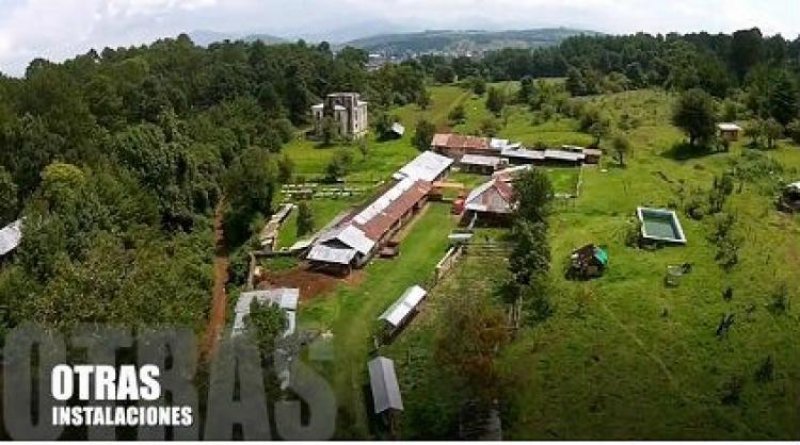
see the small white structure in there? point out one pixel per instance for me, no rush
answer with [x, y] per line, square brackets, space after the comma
[384, 386]
[10, 237]
[729, 131]
[285, 298]
[402, 309]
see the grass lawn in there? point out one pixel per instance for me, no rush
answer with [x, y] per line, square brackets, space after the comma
[350, 312]
[624, 356]
[324, 211]
[384, 157]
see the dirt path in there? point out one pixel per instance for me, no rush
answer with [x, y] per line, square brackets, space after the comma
[219, 299]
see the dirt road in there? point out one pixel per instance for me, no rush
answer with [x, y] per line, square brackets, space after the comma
[219, 299]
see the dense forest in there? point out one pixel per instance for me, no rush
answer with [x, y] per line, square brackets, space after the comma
[118, 159]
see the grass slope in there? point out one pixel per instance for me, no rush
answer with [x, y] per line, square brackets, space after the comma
[624, 356]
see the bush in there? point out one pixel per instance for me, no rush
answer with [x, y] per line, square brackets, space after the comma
[457, 115]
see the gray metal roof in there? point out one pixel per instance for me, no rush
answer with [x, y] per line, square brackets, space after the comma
[488, 161]
[383, 382]
[327, 254]
[10, 237]
[522, 153]
[427, 166]
[285, 298]
[564, 155]
[398, 128]
[400, 309]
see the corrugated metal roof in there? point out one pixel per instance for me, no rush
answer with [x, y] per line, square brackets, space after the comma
[398, 128]
[356, 238]
[488, 161]
[522, 153]
[384, 385]
[494, 196]
[400, 309]
[729, 126]
[426, 167]
[326, 254]
[498, 143]
[460, 141]
[10, 237]
[381, 223]
[285, 298]
[563, 155]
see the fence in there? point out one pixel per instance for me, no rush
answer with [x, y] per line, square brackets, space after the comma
[447, 262]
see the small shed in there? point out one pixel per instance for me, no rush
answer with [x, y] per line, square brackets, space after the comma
[401, 310]
[592, 155]
[729, 131]
[589, 261]
[10, 237]
[481, 164]
[789, 200]
[386, 396]
[397, 130]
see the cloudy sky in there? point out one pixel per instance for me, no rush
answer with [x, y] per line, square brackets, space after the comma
[56, 29]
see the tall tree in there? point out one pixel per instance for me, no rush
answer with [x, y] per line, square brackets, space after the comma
[695, 114]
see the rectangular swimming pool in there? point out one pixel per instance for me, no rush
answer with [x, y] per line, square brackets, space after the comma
[661, 225]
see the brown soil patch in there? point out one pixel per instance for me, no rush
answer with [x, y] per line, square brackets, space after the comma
[216, 318]
[312, 284]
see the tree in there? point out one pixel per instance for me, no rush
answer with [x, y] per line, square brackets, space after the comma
[8, 197]
[305, 219]
[468, 343]
[252, 181]
[423, 135]
[329, 130]
[495, 101]
[746, 51]
[478, 85]
[265, 323]
[621, 147]
[599, 130]
[285, 169]
[773, 130]
[363, 148]
[444, 74]
[533, 193]
[793, 130]
[457, 115]
[339, 165]
[423, 99]
[526, 90]
[490, 127]
[694, 113]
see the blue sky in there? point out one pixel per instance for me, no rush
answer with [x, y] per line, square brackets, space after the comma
[56, 29]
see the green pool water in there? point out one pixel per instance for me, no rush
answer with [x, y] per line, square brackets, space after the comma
[659, 226]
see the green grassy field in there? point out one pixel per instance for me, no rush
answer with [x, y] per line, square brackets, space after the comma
[351, 311]
[324, 210]
[624, 356]
[384, 157]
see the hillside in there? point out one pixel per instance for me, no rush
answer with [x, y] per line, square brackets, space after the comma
[205, 38]
[464, 41]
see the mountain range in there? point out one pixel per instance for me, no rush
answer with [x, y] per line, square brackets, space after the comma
[459, 41]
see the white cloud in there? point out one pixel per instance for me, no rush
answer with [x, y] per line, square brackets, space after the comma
[57, 29]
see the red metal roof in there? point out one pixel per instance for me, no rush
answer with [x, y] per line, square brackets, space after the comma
[459, 141]
[376, 227]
